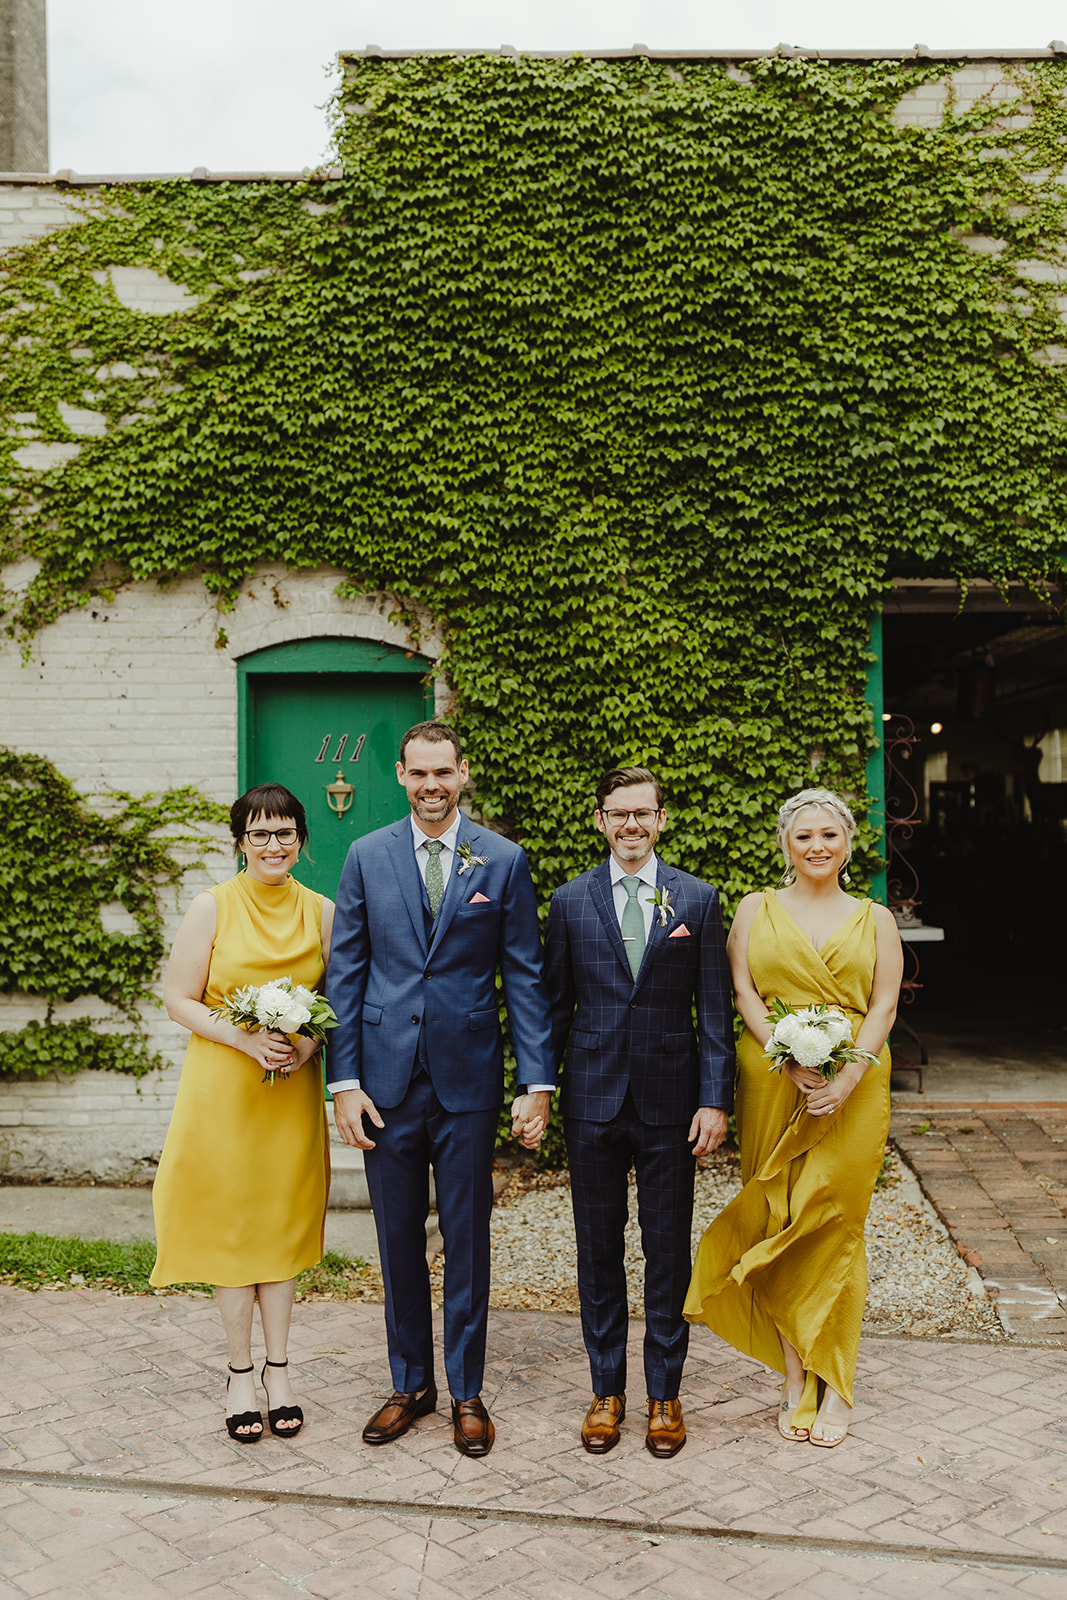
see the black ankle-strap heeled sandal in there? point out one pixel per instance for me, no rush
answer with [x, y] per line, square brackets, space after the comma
[243, 1419]
[279, 1414]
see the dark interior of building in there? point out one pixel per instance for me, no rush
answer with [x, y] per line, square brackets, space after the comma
[976, 752]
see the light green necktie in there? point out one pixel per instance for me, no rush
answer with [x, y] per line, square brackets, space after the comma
[633, 925]
[435, 878]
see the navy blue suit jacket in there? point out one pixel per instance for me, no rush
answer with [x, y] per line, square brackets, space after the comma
[616, 1031]
[393, 975]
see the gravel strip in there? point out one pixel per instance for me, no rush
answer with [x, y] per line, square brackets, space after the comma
[918, 1282]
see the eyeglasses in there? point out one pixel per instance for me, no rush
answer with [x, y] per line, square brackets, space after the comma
[617, 818]
[262, 836]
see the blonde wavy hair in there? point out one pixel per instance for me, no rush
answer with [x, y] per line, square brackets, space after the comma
[802, 801]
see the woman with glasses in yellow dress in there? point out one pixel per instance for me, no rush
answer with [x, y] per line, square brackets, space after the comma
[240, 1196]
[781, 1273]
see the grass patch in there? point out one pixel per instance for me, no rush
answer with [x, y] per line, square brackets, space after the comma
[339, 1278]
[39, 1261]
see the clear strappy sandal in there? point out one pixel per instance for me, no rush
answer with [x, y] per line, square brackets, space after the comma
[789, 1403]
[833, 1419]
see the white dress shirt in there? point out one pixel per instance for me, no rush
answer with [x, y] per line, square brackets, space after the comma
[647, 875]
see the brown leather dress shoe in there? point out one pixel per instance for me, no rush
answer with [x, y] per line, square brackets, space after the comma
[600, 1429]
[398, 1413]
[472, 1427]
[666, 1430]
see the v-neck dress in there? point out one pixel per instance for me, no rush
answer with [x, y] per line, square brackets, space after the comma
[788, 1252]
[240, 1195]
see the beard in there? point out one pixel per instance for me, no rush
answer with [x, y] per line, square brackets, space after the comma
[635, 849]
[435, 814]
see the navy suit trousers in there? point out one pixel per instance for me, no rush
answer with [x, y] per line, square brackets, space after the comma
[459, 1145]
[600, 1155]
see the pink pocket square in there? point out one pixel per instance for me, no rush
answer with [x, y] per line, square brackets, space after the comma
[478, 900]
[680, 932]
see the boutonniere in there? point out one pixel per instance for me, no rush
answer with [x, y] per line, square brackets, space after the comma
[469, 859]
[661, 899]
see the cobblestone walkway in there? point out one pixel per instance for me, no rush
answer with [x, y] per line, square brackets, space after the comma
[997, 1176]
[117, 1479]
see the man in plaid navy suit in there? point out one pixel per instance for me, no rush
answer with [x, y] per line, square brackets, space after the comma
[632, 949]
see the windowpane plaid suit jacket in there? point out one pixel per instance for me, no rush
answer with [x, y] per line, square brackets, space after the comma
[613, 1031]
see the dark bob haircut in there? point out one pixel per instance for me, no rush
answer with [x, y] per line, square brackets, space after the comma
[625, 778]
[266, 800]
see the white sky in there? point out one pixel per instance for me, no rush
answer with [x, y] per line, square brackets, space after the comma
[168, 85]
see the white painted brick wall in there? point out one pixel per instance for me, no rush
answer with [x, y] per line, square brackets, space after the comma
[134, 695]
[924, 105]
[29, 211]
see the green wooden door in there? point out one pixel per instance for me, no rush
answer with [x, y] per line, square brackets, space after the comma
[329, 710]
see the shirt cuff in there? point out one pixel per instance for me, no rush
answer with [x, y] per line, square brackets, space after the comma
[539, 1088]
[345, 1083]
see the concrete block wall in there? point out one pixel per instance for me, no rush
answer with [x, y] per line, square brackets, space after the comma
[134, 695]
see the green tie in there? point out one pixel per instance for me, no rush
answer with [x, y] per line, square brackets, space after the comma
[435, 881]
[633, 925]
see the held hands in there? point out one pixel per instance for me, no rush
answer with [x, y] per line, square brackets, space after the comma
[350, 1106]
[707, 1130]
[805, 1078]
[274, 1052]
[824, 1098]
[529, 1118]
[302, 1049]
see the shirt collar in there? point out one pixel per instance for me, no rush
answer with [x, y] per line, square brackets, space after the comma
[448, 838]
[647, 873]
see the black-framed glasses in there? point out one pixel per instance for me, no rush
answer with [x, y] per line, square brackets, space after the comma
[262, 836]
[643, 817]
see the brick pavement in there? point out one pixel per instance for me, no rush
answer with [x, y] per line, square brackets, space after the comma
[116, 1475]
[997, 1176]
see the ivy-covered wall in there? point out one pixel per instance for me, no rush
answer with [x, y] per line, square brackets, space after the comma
[641, 379]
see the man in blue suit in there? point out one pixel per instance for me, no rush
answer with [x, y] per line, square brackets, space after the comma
[428, 910]
[632, 949]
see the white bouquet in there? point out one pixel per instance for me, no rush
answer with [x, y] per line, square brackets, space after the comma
[813, 1036]
[280, 1006]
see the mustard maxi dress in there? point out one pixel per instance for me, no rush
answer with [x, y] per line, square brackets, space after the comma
[240, 1196]
[788, 1252]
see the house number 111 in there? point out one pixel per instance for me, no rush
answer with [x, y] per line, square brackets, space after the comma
[338, 754]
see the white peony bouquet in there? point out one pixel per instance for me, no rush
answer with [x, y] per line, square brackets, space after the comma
[813, 1036]
[280, 1006]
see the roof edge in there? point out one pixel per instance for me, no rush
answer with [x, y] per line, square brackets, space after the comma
[67, 178]
[1057, 49]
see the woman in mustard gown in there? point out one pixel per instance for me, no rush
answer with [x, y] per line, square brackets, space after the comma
[240, 1196]
[781, 1273]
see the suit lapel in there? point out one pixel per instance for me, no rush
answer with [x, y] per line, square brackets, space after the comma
[604, 901]
[456, 889]
[402, 856]
[657, 933]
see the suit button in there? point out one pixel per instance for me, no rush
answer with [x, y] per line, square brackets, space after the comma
[414, 1019]
[427, 975]
[633, 1005]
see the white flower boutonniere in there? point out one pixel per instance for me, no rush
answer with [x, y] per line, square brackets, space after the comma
[661, 899]
[468, 859]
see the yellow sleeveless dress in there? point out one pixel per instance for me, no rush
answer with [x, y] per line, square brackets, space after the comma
[240, 1196]
[788, 1252]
